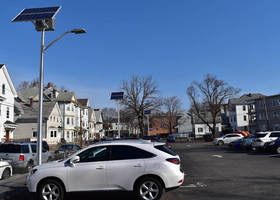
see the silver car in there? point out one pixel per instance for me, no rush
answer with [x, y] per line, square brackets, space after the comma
[22, 155]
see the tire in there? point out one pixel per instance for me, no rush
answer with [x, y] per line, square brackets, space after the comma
[220, 142]
[148, 188]
[278, 150]
[50, 189]
[6, 173]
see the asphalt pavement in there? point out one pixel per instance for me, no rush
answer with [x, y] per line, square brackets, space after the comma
[212, 172]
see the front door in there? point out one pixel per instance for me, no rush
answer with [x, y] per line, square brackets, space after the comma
[89, 174]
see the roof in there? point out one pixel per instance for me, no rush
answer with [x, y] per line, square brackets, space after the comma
[65, 96]
[31, 113]
[244, 98]
[28, 93]
[83, 102]
[6, 73]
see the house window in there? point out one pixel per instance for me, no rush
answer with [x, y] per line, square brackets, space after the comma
[68, 108]
[244, 108]
[34, 134]
[51, 133]
[0, 109]
[8, 112]
[275, 115]
[72, 119]
[3, 89]
[200, 130]
[245, 118]
[68, 120]
[72, 108]
[68, 135]
[54, 133]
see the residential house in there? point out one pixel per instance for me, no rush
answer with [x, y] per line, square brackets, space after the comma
[201, 128]
[91, 124]
[185, 124]
[239, 111]
[28, 122]
[265, 113]
[84, 111]
[99, 131]
[70, 112]
[159, 125]
[7, 96]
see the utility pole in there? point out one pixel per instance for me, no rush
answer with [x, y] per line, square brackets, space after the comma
[81, 130]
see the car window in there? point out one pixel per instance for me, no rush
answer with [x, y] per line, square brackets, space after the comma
[10, 148]
[95, 154]
[124, 152]
[165, 149]
[260, 135]
[276, 134]
[33, 148]
[24, 149]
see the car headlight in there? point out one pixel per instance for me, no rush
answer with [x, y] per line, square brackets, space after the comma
[33, 171]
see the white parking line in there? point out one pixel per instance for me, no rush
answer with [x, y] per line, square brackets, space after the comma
[218, 156]
[198, 184]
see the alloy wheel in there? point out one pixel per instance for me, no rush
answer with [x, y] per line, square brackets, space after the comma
[149, 190]
[50, 192]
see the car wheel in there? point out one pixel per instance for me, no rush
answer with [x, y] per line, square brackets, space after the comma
[220, 143]
[50, 190]
[278, 150]
[6, 173]
[149, 189]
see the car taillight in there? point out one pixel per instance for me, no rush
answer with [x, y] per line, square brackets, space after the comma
[21, 157]
[173, 160]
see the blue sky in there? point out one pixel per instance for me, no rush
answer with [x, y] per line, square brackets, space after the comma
[176, 42]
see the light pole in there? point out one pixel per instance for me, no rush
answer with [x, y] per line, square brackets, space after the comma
[41, 86]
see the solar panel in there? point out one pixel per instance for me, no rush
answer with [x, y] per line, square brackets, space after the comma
[34, 14]
[117, 95]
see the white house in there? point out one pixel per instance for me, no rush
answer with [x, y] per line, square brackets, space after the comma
[99, 132]
[28, 122]
[185, 124]
[7, 96]
[202, 129]
[84, 106]
[91, 124]
[239, 111]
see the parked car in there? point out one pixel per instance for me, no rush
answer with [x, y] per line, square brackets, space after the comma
[66, 150]
[247, 141]
[171, 138]
[5, 169]
[226, 139]
[157, 139]
[258, 143]
[112, 165]
[236, 144]
[22, 155]
[273, 146]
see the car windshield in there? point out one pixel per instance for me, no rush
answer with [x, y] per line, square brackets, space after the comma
[261, 135]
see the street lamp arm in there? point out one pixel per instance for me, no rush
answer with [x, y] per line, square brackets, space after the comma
[56, 40]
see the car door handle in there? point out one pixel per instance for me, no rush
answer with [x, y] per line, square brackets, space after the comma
[100, 167]
[138, 165]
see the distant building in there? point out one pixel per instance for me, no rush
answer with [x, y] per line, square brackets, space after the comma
[99, 131]
[159, 125]
[185, 124]
[7, 96]
[239, 111]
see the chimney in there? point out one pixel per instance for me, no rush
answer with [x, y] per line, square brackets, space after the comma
[49, 85]
[30, 101]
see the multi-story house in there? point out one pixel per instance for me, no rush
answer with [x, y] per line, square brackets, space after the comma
[159, 125]
[7, 96]
[84, 107]
[91, 124]
[239, 111]
[185, 124]
[69, 109]
[27, 122]
[99, 132]
[265, 115]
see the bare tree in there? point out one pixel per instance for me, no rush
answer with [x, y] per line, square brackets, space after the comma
[139, 95]
[108, 114]
[207, 98]
[172, 106]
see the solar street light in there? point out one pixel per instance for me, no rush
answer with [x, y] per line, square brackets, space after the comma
[43, 20]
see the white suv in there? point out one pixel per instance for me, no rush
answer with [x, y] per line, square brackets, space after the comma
[263, 137]
[143, 167]
[228, 138]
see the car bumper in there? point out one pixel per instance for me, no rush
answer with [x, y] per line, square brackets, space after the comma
[30, 183]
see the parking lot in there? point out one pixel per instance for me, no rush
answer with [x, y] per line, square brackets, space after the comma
[212, 172]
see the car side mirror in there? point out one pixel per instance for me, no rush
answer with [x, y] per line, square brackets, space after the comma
[74, 160]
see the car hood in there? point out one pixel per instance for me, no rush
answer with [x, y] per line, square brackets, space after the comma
[50, 165]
